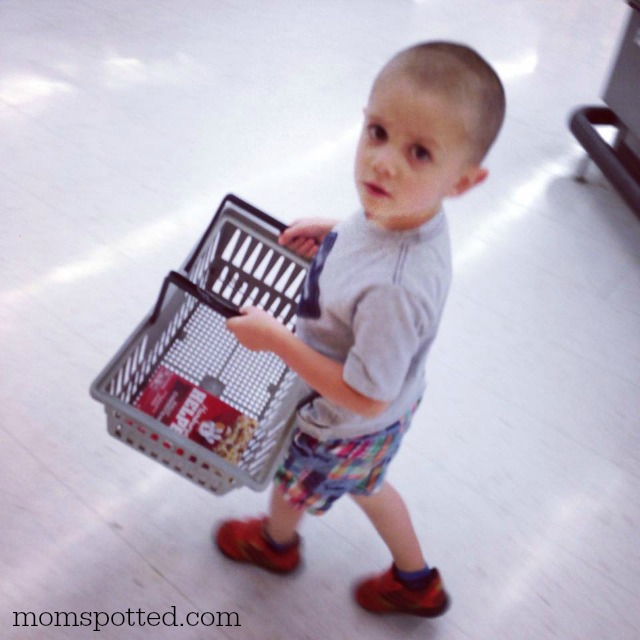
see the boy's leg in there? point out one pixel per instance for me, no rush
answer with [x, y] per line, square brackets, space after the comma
[284, 518]
[409, 586]
[389, 514]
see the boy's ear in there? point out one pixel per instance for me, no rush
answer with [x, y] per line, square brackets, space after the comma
[468, 180]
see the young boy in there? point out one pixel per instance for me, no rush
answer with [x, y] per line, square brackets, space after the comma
[369, 313]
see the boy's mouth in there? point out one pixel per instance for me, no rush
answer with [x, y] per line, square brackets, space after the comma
[376, 190]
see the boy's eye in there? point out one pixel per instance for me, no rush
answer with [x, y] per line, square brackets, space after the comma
[420, 153]
[377, 133]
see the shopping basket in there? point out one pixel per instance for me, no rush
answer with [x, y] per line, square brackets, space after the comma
[237, 261]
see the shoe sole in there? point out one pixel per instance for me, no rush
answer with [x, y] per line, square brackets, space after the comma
[421, 613]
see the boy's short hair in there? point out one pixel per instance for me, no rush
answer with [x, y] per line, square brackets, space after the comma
[463, 75]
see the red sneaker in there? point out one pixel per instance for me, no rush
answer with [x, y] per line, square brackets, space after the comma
[244, 541]
[385, 594]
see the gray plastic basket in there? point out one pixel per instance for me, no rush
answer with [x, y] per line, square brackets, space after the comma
[238, 261]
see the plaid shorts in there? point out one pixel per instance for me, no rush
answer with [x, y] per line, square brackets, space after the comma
[315, 474]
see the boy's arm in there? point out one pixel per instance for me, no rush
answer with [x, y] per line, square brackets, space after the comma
[257, 330]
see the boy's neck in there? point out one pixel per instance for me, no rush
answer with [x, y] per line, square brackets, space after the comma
[401, 223]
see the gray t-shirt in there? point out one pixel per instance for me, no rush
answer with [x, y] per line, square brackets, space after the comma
[372, 300]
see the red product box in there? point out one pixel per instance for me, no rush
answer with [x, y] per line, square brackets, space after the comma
[196, 414]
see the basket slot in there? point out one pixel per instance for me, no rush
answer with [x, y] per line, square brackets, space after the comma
[233, 287]
[229, 279]
[252, 298]
[286, 314]
[229, 241]
[127, 371]
[267, 264]
[241, 294]
[295, 285]
[216, 284]
[275, 272]
[283, 281]
[250, 263]
[275, 307]
[264, 300]
[243, 253]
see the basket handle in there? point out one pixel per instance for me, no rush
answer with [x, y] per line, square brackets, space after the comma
[275, 226]
[213, 300]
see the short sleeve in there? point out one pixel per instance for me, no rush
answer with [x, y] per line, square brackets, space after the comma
[389, 326]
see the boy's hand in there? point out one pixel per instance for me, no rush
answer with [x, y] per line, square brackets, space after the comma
[255, 329]
[305, 236]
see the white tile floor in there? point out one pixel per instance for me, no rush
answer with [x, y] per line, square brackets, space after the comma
[123, 124]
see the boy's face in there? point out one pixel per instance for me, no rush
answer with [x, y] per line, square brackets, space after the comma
[413, 153]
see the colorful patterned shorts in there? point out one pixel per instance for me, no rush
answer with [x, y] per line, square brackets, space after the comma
[315, 474]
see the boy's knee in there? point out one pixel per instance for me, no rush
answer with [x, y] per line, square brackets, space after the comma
[371, 499]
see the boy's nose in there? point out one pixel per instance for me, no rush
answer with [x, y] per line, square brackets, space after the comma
[384, 165]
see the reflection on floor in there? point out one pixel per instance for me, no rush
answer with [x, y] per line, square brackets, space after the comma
[123, 124]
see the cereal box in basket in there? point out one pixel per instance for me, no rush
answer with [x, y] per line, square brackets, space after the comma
[196, 414]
